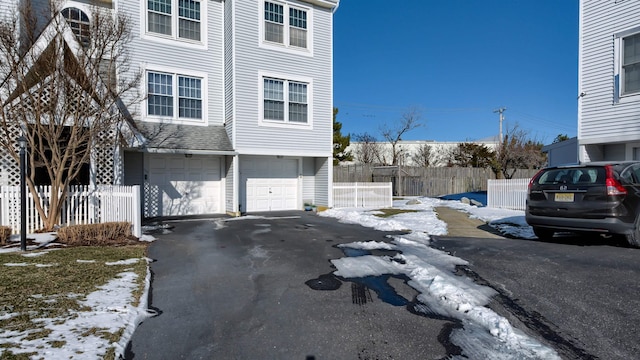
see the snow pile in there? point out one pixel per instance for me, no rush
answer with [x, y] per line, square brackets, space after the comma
[484, 333]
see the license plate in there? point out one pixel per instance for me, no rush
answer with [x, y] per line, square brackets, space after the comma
[564, 197]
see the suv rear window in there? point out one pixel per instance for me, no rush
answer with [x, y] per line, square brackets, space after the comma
[585, 176]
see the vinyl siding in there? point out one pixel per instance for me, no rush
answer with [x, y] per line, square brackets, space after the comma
[308, 180]
[228, 68]
[601, 119]
[230, 198]
[8, 10]
[149, 53]
[323, 181]
[250, 59]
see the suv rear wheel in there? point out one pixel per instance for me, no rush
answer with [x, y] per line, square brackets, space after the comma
[542, 233]
[633, 238]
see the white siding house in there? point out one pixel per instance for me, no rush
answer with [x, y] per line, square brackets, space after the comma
[280, 93]
[236, 110]
[609, 80]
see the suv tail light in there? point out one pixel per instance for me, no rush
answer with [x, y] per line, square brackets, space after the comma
[614, 187]
[533, 179]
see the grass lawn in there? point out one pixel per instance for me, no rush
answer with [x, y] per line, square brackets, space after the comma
[52, 285]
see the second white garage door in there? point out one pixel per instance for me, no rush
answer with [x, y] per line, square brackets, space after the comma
[269, 183]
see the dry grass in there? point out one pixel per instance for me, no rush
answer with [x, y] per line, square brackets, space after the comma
[32, 292]
[105, 234]
[390, 212]
[5, 232]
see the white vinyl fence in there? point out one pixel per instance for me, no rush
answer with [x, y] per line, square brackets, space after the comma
[365, 195]
[507, 194]
[83, 205]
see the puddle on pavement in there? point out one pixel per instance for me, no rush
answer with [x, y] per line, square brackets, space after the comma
[360, 291]
[386, 292]
[324, 282]
[361, 287]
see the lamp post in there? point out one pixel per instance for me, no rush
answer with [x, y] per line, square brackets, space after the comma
[22, 141]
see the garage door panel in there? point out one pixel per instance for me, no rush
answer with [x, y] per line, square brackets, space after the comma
[183, 186]
[270, 183]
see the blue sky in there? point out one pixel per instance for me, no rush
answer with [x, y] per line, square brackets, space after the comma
[457, 61]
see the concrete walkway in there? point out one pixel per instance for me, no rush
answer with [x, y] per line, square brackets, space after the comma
[460, 225]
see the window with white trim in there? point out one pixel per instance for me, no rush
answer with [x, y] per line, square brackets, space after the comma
[290, 31]
[177, 19]
[162, 99]
[285, 101]
[79, 23]
[630, 64]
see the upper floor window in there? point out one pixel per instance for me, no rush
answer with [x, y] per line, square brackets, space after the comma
[298, 28]
[79, 23]
[631, 64]
[162, 98]
[285, 101]
[178, 19]
[286, 25]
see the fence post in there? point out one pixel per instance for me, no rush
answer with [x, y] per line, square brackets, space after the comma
[355, 199]
[137, 215]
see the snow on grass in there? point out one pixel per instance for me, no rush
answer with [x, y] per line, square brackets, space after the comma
[82, 333]
[484, 333]
[40, 240]
[123, 262]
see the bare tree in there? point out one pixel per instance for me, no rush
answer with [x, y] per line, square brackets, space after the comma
[393, 134]
[422, 156]
[367, 149]
[518, 151]
[62, 89]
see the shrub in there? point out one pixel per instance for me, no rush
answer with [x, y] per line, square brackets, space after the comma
[111, 233]
[5, 232]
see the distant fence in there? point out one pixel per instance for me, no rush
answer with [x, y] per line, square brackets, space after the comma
[366, 195]
[421, 181]
[83, 205]
[507, 194]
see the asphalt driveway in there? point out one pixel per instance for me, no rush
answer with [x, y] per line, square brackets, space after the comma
[242, 289]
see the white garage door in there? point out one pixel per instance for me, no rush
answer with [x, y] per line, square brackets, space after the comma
[180, 185]
[270, 184]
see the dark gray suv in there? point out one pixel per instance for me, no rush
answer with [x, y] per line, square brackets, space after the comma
[598, 197]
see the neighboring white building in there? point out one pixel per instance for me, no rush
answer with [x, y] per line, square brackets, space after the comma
[440, 151]
[609, 80]
[562, 153]
[239, 96]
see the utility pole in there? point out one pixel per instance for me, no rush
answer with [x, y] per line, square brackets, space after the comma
[501, 112]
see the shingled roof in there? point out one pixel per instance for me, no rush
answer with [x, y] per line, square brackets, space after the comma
[162, 136]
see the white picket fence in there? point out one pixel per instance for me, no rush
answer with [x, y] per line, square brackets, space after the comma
[507, 194]
[365, 195]
[83, 205]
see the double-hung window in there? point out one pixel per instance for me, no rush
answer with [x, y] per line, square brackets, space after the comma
[286, 25]
[285, 101]
[162, 97]
[297, 28]
[297, 102]
[274, 22]
[189, 97]
[176, 19]
[631, 64]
